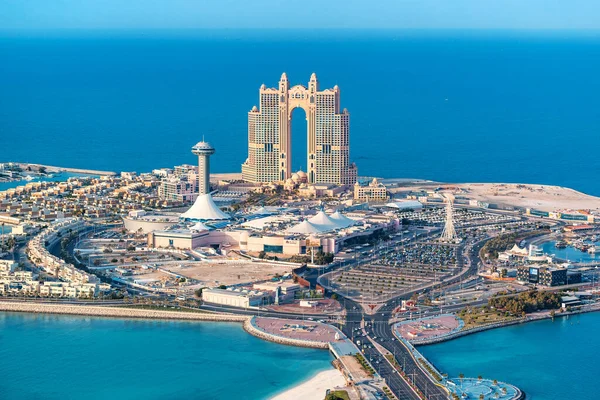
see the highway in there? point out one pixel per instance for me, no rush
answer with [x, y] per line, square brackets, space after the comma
[378, 326]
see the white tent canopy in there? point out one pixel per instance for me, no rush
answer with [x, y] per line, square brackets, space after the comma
[304, 227]
[263, 211]
[199, 227]
[204, 209]
[405, 204]
[323, 222]
[342, 220]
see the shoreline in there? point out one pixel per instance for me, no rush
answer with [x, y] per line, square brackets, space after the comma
[53, 168]
[483, 328]
[314, 387]
[116, 312]
[311, 388]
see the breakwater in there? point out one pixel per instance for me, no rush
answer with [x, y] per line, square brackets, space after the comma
[117, 312]
[251, 328]
[51, 168]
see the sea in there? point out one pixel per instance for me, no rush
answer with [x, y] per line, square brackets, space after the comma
[570, 253]
[548, 360]
[58, 177]
[57, 357]
[450, 106]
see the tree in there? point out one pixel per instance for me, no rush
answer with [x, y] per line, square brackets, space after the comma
[262, 254]
[461, 376]
[222, 286]
[480, 378]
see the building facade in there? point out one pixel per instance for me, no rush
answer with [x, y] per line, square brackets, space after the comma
[547, 276]
[374, 191]
[269, 135]
[178, 189]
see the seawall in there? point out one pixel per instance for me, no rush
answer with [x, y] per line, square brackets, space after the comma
[254, 331]
[117, 312]
[500, 325]
[51, 168]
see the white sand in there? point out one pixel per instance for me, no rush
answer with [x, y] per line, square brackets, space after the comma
[539, 197]
[315, 387]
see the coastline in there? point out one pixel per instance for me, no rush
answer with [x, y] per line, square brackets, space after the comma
[309, 389]
[459, 334]
[315, 387]
[116, 312]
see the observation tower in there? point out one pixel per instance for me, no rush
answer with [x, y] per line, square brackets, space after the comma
[203, 150]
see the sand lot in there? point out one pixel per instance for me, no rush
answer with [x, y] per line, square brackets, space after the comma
[539, 197]
[228, 273]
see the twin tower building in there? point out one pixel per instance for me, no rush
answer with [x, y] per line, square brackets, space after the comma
[269, 135]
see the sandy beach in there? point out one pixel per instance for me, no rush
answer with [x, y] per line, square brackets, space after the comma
[315, 387]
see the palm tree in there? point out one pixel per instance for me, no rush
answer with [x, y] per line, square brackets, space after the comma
[481, 396]
[480, 378]
[461, 376]
[495, 382]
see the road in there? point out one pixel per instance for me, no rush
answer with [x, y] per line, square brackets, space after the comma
[378, 326]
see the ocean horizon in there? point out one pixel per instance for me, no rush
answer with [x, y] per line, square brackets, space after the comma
[449, 106]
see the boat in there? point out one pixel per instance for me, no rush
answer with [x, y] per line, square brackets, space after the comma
[561, 244]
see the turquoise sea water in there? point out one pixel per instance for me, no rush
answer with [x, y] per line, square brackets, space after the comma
[55, 178]
[570, 253]
[447, 106]
[63, 357]
[548, 360]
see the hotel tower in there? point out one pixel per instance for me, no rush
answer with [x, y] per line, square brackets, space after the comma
[269, 135]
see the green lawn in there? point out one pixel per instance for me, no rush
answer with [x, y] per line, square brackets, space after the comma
[337, 395]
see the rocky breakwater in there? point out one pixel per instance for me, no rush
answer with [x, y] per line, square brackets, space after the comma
[117, 312]
[251, 327]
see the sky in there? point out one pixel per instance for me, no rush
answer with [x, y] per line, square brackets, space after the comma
[19, 15]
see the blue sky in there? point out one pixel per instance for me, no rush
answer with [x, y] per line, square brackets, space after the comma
[310, 14]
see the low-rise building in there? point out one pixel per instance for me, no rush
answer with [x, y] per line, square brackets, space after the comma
[547, 275]
[236, 298]
[7, 265]
[374, 191]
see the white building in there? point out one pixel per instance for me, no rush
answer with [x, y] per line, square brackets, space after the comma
[235, 298]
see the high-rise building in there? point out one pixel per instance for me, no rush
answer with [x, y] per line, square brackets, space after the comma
[269, 135]
[203, 150]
